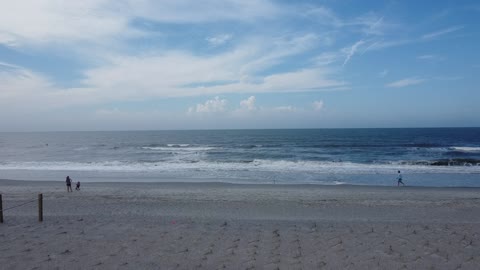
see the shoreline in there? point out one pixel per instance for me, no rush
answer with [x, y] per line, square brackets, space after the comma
[220, 183]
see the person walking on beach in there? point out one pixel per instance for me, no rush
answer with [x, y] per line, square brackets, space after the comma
[69, 184]
[399, 178]
[78, 186]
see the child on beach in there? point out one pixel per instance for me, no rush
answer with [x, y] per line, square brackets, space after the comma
[78, 186]
[399, 178]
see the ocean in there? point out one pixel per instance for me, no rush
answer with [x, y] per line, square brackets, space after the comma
[426, 156]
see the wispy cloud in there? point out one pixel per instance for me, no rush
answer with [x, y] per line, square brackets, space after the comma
[318, 105]
[383, 73]
[51, 21]
[350, 52]
[219, 40]
[110, 20]
[371, 24]
[186, 11]
[442, 32]
[285, 109]
[431, 57]
[367, 24]
[448, 78]
[406, 82]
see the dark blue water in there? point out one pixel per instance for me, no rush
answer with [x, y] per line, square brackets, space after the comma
[427, 157]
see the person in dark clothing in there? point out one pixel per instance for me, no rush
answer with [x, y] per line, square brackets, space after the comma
[69, 184]
[78, 186]
[399, 178]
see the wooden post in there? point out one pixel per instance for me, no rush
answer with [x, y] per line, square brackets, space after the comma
[1, 209]
[40, 207]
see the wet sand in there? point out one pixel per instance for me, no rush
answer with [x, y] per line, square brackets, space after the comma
[226, 226]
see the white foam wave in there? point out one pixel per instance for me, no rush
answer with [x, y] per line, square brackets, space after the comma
[179, 149]
[465, 149]
[178, 145]
[277, 166]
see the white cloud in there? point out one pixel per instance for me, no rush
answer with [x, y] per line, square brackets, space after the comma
[324, 15]
[186, 11]
[431, 57]
[176, 74]
[352, 50]
[318, 105]
[368, 24]
[327, 58]
[448, 78]
[384, 44]
[97, 21]
[371, 24]
[248, 104]
[26, 91]
[442, 32]
[406, 82]
[219, 40]
[383, 73]
[173, 74]
[26, 22]
[215, 105]
[287, 109]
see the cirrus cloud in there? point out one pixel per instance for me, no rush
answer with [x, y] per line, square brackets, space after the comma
[406, 82]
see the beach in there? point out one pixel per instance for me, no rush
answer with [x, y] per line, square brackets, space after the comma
[231, 226]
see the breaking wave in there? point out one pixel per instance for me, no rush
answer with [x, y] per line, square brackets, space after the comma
[446, 166]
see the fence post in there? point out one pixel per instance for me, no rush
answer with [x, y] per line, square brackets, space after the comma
[1, 209]
[40, 207]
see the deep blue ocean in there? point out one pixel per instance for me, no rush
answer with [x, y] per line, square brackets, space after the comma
[425, 156]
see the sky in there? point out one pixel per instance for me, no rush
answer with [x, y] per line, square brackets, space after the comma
[235, 64]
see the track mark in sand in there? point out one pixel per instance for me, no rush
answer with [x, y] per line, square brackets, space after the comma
[321, 264]
[232, 249]
[249, 261]
[295, 252]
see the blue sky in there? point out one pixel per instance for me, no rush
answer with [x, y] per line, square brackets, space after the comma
[176, 64]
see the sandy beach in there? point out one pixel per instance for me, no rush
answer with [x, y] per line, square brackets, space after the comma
[227, 226]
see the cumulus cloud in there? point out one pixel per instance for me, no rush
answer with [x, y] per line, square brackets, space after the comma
[318, 105]
[406, 82]
[248, 104]
[210, 106]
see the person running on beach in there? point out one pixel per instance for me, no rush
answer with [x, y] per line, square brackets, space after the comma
[69, 184]
[78, 186]
[399, 178]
